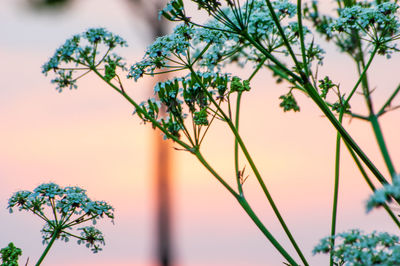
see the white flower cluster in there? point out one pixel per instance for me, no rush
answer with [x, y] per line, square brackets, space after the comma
[69, 206]
[357, 249]
[188, 96]
[79, 53]
[221, 41]
[173, 11]
[158, 55]
[92, 237]
[227, 46]
[385, 194]
[378, 22]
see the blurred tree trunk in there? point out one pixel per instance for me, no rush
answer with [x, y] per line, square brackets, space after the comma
[148, 10]
[162, 151]
[163, 172]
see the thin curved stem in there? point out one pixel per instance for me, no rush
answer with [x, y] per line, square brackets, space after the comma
[237, 172]
[139, 110]
[301, 32]
[345, 135]
[254, 168]
[282, 33]
[362, 75]
[382, 144]
[271, 57]
[336, 188]
[200, 157]
[242, 201]
[388, 102]
[53, 207]
[265, 231]
[371, 185]
[312, 92]
[373, 117]
[53, 238]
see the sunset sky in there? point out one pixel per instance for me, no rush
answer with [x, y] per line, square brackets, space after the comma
[89, 138]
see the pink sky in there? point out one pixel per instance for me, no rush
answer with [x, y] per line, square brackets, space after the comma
[89, 138]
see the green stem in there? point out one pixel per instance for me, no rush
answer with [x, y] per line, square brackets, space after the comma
[362, 76]
[373, 118]
[242, 201]
[53, 238]
[270, 56]
[282, 33]
[53, 207]
[214, 173]
[64, 219]
[336, 188]
[353, 115]
[361, 168]
[237, 116]
[388, 102]
[238, 179]
[371, 185]
[197, 153]
[382, 145]
[259, 66]
[345, 135]
[79, 221]
[365, 83]
[255, 170]
[269, 197]
[324, 108]
[303, 48]
[139, 109]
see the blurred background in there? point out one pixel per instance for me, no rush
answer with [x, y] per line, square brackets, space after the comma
[89, 138]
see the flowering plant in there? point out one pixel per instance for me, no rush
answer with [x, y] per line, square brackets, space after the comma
[254, 34]
[9, 255]
[62, 210]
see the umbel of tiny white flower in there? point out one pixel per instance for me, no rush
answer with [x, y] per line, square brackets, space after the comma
[225, 43]
[355, 248]
[81, 54]
[63, 209]
[376, 22]
[219, 42]
[385, 195]
[167, 52]
[189, 96]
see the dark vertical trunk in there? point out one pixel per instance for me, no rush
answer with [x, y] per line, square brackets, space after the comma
[162, 153]
[163, 201]
[162, 177]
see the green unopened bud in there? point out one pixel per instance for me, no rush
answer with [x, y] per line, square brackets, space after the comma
[238, 85]
[289, 103]
[200, 118]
